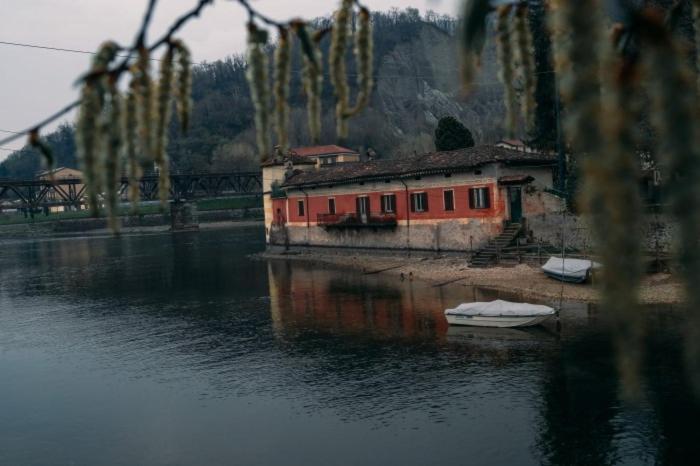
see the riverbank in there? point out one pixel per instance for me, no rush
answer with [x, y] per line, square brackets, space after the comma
[144, 223]
[526, 280]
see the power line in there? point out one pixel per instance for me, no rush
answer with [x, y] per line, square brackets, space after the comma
[58, 49]
[44, 47]
[9, 149]
[8, 131]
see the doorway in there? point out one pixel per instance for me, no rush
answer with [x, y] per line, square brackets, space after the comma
[515, 203]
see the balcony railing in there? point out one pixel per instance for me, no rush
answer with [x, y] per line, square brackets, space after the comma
[354, 220]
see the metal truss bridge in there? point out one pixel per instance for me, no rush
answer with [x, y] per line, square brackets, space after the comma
[71, 191]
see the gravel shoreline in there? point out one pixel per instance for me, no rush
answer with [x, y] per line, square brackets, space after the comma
[524, 279]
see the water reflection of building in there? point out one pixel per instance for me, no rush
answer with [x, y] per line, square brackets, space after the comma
[303, 297]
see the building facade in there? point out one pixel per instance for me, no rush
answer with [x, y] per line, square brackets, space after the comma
[454, 200]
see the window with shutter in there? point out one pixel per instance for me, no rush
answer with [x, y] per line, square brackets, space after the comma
[449, 199]
[419, 202]
[479, 198]
[388, 203]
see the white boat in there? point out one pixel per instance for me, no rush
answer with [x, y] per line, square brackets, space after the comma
[569, 270]
[498, 313]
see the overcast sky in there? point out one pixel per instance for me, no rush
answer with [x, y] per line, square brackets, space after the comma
[35, 83]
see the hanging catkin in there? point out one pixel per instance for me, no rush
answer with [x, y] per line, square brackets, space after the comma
[672, 88]
[88, 142]
[576, 40]
[473, 37]
[339, 37]
[88, 135]
[612, 201]
[184, 84]
[524, 57]
[163, 113]
[112, 134]
[143, 87]
[505, 60]
[130, 138]
[258, 81]
[312, 79]
[282, 76]
[602, 140]
[363, 57]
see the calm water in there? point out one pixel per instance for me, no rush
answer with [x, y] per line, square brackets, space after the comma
[178, 350]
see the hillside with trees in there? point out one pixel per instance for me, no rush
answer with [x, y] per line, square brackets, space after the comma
[416, 84]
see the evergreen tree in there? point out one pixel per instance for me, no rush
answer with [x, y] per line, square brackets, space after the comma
[544, 133]
[451, 134]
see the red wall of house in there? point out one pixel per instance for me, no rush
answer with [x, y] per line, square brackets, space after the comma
[346, 203]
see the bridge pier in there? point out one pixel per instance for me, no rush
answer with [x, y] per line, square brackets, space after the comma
[183, 216]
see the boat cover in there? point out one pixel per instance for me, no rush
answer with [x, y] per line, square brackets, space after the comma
[569, 267]
[500, 308]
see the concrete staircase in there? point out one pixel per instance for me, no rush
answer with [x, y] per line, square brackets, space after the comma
[489, 254]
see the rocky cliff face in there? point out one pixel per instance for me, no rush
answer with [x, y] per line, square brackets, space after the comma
[418, 83]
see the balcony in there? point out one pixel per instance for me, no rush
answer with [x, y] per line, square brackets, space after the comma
[353, 220]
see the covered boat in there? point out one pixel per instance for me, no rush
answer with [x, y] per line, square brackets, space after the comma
[569, 270]
[498, 313]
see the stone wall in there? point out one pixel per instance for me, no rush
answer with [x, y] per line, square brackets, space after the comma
[457, 235]
[658, 231]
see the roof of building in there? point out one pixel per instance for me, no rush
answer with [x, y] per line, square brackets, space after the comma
[425, 164]
[296, 160]
[316, 151]
[56, 170]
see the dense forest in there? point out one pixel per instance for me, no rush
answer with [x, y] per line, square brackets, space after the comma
[416, 83]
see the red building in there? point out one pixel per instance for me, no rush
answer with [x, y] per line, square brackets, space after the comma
[453, 200]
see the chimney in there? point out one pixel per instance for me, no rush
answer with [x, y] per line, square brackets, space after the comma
[288, 168]
[372, 154]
